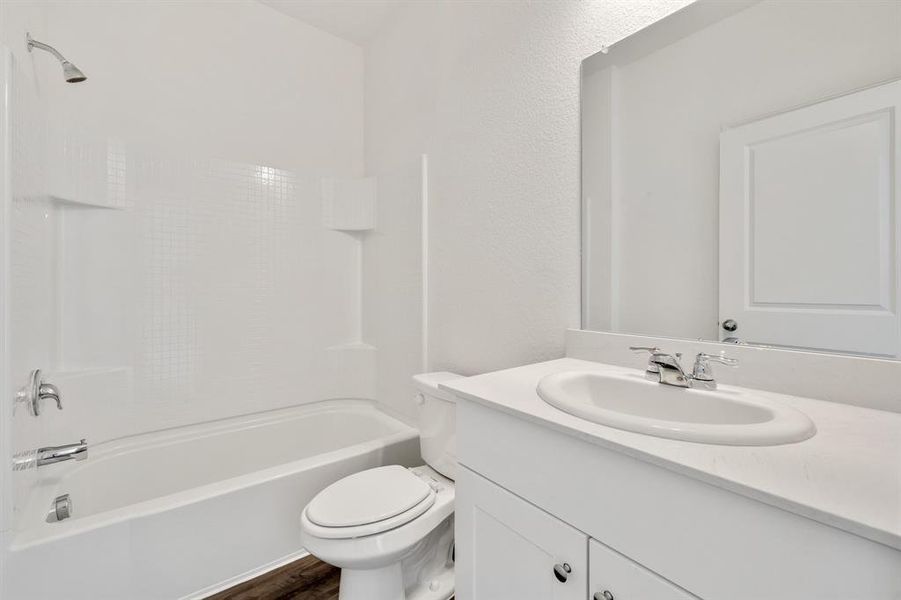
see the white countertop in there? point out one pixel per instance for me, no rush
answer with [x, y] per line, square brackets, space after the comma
[848, 475]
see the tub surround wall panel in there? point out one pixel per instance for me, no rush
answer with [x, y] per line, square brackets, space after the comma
[27, 220]
[165, 247]
[222, 294]
[170, 264]
[234, 80]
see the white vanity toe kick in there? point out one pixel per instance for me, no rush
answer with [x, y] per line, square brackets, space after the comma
[848, 475]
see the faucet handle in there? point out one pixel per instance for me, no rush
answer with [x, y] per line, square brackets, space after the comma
[649, 349]
[652, 368]
[36, 390]
[702, 370]
[720, 358]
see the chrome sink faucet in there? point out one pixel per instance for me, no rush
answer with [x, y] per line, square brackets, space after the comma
[667, 368]
[702, 372]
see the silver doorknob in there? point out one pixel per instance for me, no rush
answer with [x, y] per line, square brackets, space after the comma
[562, 571]
[605, 595]
[730, 324]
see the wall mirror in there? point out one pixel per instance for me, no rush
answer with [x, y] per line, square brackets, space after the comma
[741, 177]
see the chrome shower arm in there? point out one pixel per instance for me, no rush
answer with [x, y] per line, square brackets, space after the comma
[30, 43]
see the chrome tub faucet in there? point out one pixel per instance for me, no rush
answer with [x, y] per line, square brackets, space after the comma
[54, 454]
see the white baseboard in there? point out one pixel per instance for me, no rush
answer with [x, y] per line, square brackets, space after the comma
[247, 575]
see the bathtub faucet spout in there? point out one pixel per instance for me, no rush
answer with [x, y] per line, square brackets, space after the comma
[55, 454]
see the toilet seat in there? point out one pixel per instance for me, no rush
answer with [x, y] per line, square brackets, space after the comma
[368, 503]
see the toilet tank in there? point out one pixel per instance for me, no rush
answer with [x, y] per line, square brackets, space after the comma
[437, 422]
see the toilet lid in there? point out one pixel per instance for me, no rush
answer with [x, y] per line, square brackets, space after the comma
[368, 497]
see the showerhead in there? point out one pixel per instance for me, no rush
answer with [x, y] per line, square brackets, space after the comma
[72, 73]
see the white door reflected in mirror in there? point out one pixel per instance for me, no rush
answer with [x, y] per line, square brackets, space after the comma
[807, 225]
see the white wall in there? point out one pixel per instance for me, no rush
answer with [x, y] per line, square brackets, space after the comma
[490, 91]
[670, 108]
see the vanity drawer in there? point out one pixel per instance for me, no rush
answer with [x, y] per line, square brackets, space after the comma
[612, 576]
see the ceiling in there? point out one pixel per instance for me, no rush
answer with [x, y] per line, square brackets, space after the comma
[357, 21]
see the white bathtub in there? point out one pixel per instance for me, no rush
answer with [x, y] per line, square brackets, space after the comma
[186, 512]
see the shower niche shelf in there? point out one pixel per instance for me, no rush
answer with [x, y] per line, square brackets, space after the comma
[74, 202]
[90, 267]
[86, 170]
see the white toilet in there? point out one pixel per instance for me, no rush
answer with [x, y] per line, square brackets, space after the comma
[391, 529]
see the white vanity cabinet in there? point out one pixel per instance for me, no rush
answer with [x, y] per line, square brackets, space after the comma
[537, 497]
[508, 548]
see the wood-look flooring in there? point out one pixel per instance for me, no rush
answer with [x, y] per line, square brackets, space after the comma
[307, 578]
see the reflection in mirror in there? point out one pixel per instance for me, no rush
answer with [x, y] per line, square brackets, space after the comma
[741, 174]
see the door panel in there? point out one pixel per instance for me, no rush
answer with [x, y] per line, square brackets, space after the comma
[808, 225]
[508, 548]
[624, 579]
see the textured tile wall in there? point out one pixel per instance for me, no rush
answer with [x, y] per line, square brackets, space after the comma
[174, 290]
[31, 223]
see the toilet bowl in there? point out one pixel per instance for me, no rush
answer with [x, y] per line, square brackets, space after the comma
[380, 525]
[390, 529]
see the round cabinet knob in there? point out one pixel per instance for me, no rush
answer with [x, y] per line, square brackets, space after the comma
[605, 595]
[730, 324]
[562, 571]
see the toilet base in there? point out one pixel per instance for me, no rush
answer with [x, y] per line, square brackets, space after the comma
[427, 573]
[386, 583]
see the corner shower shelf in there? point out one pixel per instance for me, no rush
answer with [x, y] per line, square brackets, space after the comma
[73, 202]
[349, 204]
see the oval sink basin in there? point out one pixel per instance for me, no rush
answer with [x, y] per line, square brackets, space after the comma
[629, 401]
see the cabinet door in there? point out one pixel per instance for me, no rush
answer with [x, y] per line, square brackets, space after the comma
[615, 577]
[509, 549]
